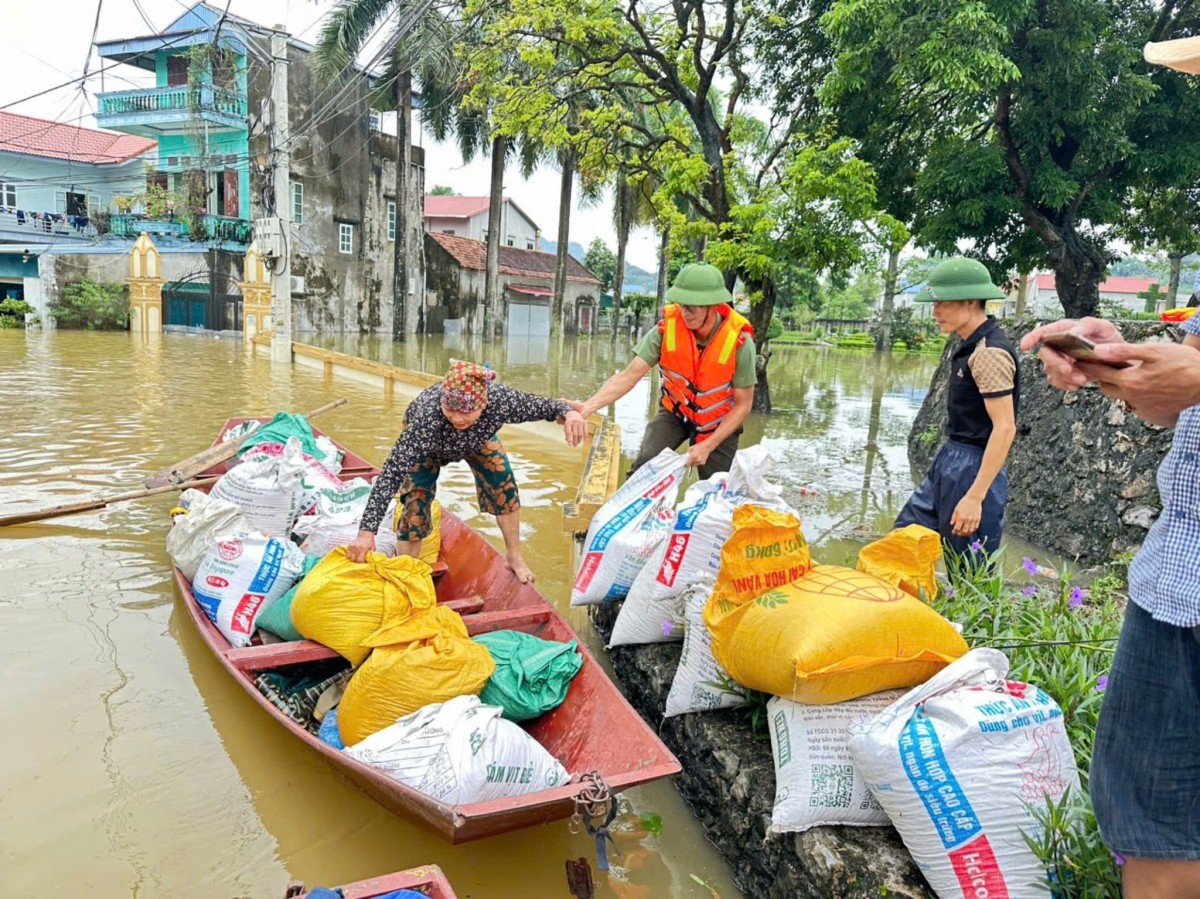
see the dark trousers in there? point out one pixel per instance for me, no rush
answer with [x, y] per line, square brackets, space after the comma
[950, 477]
[666, 431]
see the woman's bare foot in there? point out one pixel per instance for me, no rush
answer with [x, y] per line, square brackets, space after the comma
[517, 566]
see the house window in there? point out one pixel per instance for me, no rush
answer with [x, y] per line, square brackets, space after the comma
[8, 193]
[512, 242]
[177, 70]
[297, 202]
[529, 244]
[448, 231]
[391, 220]
[375, 121]
[345, 238]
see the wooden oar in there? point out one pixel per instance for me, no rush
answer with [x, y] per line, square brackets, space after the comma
[179, 472]
[88, 505]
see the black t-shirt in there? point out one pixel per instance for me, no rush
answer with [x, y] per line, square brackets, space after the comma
[983, 367]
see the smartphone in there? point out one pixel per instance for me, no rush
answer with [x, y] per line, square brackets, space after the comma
[1078, 348]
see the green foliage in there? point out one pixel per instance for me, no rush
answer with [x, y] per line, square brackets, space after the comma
[91, 305]
[857, 340]
[908, 328]
[1061, 637]
[601, 262]
[652, 822]
[442, 190]
[774, 329]
[1151, 295]
[930, 436]
[13, 312]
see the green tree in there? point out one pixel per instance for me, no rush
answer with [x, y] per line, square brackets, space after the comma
[441, 190]
[601, 262]
[1031, 122]
[13, 312]
[91, 305]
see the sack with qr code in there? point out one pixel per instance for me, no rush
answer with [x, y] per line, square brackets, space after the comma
[815, 780]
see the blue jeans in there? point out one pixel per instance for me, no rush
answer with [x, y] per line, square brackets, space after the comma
[1145, 775]
[950, 477]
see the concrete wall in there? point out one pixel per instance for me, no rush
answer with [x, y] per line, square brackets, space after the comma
[516, 230]
[1081, 470]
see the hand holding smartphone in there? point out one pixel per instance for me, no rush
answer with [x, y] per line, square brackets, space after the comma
[1078, 348]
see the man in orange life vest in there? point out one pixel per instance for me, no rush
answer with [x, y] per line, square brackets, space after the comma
[704, 351]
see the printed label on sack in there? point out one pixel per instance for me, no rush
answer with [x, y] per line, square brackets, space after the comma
[268, 570]
[977, 870]
[229, 549]
[242, 620]
[616, 524]
[587, 571]
[676, 549]
[930, 774]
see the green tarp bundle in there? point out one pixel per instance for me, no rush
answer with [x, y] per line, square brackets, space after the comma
[280, 428]
[532, 675]
[278, 616]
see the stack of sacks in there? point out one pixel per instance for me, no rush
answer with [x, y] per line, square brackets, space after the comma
[459, 752]
[205, 522]
[416, 660]
[821, 634]
[334, 518]
[270, 438]
[962, 765]
[341, 603]
[692, 552]
[277, 617]
[627, 530]
[700, 683]
[431, 547]
[267, 489]
[532, 675]
[242, 576]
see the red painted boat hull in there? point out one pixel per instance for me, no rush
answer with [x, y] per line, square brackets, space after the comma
[595, 729]
[427, 879]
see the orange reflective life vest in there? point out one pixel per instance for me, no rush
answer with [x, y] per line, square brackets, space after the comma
[697, 384]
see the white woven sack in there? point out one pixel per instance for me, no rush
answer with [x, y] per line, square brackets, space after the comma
[240, 577]
[700, 683]
[265, 489]
[208, 521]
[461, 751]
[334, 519]
[816, 782]
[627, 529]
[959, 763]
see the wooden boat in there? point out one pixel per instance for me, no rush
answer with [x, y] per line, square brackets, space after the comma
[595, 729]
[427, 879]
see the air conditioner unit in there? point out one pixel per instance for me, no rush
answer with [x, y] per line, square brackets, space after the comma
[268, 234]
[298, 286]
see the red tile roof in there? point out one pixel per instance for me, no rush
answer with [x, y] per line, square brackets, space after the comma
[472, 254]
[455, 207]
[1131, 286]
[41, 137]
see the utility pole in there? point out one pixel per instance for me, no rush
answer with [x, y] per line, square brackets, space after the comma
[401, 275]
[280, 167]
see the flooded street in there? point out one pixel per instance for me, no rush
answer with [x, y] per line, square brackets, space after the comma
[135, 766]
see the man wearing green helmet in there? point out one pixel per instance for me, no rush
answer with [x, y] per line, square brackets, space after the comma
[705, 354]
[963, 496]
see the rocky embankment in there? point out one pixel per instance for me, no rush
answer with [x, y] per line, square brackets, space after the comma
[1081, 471]
[728, 779]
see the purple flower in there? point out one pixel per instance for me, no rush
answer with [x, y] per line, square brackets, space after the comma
[1030, 566]
[949, 591]
[1076, 598]
[1118, 858]
[1029, 591]
[1101, 683]
[976, 546]
[668, 627]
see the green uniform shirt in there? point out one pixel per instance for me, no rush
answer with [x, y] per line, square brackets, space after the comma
[649, 349]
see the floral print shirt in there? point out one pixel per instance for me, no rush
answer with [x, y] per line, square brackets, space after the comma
[427, 432]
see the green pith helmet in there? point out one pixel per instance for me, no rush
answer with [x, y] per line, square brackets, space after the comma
[699, 284]
[959, 279]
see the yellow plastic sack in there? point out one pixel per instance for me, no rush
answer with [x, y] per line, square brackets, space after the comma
[431, 546]
[765, 550]
[835, 634]
[904, 558]
[426, 658]
[341, 603]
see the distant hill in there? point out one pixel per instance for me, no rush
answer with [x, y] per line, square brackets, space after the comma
[637, 280]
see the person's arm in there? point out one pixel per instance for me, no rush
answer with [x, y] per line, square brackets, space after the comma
[1062, 371]
[743, 400]
[969, 511]
[615, 387]
[515, 406]
[399, 463]
[1162, 380]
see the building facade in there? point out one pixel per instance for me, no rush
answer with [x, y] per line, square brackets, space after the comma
[468, 217]
[456, 277]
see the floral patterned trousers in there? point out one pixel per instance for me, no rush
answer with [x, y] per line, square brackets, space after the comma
[495, 488]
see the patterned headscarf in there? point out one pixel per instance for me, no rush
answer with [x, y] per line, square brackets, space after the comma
[465, 388]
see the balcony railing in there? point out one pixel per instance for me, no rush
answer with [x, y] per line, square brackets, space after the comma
[184, 98]
[216, 228]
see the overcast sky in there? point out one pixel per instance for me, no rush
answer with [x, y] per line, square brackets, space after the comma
[49, 43]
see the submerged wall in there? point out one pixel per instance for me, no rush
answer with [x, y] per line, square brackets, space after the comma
[1081, 470]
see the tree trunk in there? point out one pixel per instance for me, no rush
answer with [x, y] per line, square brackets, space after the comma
[664, 262]
[1022, 294]
[491, 278]
[1173, 283]
[400, 244]
[761, 314]
[883, 340]
[623, 226]
[564, 239]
